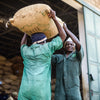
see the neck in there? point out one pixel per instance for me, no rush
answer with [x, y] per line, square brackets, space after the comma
[68, 52]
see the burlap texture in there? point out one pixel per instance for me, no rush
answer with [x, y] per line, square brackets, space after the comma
[34, 18]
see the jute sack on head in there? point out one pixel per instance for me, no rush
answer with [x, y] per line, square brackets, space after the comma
[34, 18]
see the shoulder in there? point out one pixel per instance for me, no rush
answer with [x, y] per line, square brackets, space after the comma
[24, 46]
[58, 38]
[55, 44]
[59, 57]
[80, 53]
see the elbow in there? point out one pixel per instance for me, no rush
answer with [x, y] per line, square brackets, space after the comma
[64, 37]
[23, 43]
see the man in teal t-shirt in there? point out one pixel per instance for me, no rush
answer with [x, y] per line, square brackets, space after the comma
[36, 79]
[68, 69]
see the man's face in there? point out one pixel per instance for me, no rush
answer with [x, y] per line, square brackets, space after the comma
[69, 46]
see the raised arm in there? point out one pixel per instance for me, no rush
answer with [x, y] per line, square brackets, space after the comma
[61, 31]
[24, 39]
[72, 36]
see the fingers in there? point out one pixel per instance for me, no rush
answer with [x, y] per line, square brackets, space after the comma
[49, 15]
[52, 13]
[64, 25]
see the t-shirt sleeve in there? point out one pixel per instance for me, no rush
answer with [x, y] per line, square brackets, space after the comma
[23, 49]
[55, 44]
[80, 54]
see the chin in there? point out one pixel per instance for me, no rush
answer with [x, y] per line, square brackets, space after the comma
[70, 50]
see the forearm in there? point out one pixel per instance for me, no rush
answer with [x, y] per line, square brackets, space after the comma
[74, 38]
[24, 39]
[61, 31]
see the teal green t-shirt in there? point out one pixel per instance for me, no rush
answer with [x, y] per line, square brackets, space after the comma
[37, 69]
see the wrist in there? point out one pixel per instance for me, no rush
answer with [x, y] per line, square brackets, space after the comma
[66, 29]
[54, 18]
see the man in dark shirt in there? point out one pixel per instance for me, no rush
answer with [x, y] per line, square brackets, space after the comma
[68, 69]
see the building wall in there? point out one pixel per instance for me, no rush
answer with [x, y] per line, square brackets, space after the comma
[95, 3]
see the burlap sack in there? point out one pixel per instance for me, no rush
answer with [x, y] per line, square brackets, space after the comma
[34, 18]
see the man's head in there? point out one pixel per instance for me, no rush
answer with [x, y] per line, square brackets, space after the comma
[38, 38]
[69, 45]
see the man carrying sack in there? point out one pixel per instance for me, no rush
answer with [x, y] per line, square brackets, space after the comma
[35, 84]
